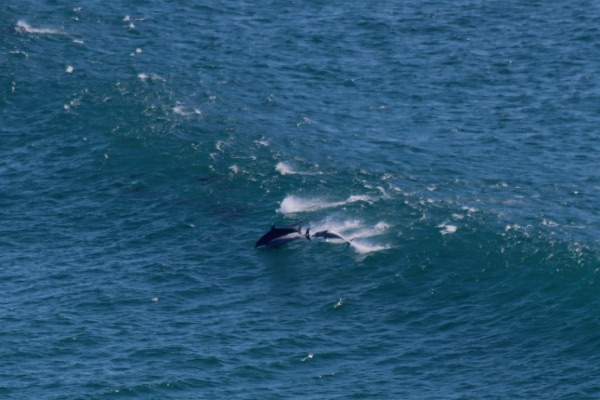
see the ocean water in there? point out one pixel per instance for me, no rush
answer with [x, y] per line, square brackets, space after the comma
[146, 146]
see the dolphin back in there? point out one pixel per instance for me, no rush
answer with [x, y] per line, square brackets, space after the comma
[274, 234]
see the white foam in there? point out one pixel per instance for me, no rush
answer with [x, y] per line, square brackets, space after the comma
[284, 169]
[305, 121]
[365, 248]
[383, 192]
[339, 303]
[23, 26]
[447, 229]
[180, 110]
[367, 199]
[334, 225]
[19, 52]
[153, 77]
[355, 232]
[381, 226]
[293, 204]
[547, 222]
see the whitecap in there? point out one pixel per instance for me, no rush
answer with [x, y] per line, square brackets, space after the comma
[549, 223]
[381, 226]
[365, 248]
[335, 225]
[355, 198]
[447, 229]
[24, 27]
[305, 121]
[293, 204]
[20, 52]
[339, 303]
[153, 77]
[180, 110]
[284, 169]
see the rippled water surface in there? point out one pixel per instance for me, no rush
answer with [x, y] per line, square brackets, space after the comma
[145, 147]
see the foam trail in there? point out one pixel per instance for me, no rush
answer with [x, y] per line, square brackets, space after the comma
[24, 27]
[353, 199]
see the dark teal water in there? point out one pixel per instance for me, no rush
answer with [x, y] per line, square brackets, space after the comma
[145, 147]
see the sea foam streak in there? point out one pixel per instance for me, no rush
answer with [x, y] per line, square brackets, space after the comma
[285, 169]
[365, 248]
[293, 204]
[24, 27]
[355, 232]
[186, 112]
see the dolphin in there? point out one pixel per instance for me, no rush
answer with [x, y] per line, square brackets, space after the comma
[277, 237]
[330, 235]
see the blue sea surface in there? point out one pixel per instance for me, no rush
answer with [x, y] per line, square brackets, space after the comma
[146, 146]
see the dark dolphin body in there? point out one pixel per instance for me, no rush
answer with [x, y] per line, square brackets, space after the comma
[330, 235]
[277, 237]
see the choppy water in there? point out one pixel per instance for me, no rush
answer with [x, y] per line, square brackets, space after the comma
[144, 148]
